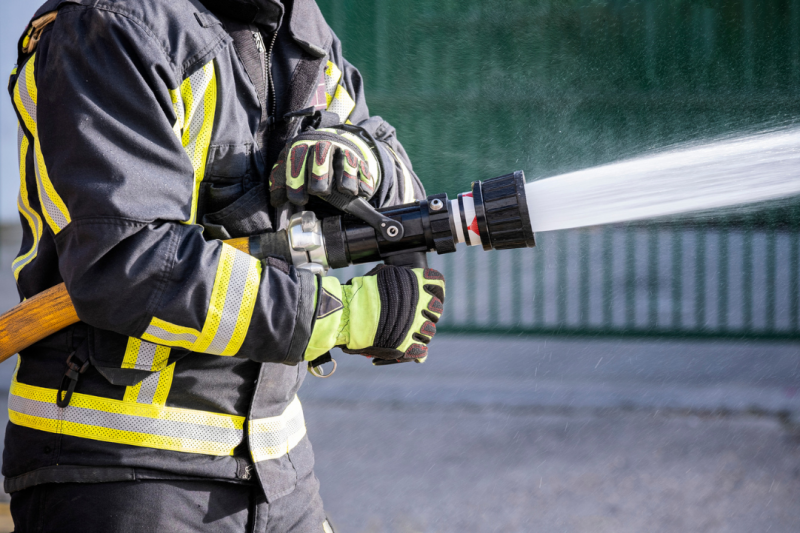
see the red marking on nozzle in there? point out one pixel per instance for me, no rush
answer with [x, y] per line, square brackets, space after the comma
[474, 226]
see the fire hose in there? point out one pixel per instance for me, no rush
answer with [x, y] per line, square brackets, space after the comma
[493, 214]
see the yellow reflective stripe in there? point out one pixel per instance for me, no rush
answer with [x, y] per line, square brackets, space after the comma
[233, 298]
[132, 393]
[338, 99]
[177, 107]
[276, 436]
[24, 206]
[164, 385]
[108, 420]
[142, 355]
[195, 104]
[408, 181]
[131, 353]
[164, 332]
[154, 389]
[27, 107]
[53, 207]
[342, 103]
[332, 77]
[26, 98]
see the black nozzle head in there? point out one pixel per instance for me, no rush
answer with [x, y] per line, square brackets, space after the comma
[501, 210]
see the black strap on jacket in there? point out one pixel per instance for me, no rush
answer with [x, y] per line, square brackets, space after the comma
[77, 364]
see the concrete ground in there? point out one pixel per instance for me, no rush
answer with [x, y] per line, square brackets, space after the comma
[499, 435]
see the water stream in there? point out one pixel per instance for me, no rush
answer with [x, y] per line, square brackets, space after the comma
[724, 173]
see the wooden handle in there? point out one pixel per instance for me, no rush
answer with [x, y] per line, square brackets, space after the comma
[34, 319]
[48, 312]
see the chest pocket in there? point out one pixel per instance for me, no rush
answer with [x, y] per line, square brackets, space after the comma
[233, 200]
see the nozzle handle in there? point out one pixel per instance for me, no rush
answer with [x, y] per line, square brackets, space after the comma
[391, 230]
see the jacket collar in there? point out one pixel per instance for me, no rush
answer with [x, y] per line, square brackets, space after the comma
[308, 27]
[306, 23]
[266, 13]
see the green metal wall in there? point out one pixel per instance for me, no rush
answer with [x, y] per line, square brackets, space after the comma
[479, 88]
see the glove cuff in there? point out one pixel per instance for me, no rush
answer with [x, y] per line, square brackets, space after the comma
[330, 310]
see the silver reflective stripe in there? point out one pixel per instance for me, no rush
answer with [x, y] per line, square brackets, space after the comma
[166, 336]
[233, 304]
[198, 83]
[332, 82]
[274, 437]
[145, 358]
[146, 355]
[49, 207]
[147, 391]
[278, 437]
[20, 136]
[342, 108]
[227, 437]
[25, 96]
[23, 204]
[27, 102]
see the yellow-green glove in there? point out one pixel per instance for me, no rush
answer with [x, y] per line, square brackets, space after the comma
[390, 313]
[317, 161]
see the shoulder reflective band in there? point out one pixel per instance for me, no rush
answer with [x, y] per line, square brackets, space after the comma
[104, 419]
[274, 437]
[195, 104]
[25, 100]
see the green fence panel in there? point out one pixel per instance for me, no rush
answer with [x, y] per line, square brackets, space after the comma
[477, 88]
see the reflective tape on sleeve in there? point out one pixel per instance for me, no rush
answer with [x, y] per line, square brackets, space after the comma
[195, 104]
[25, 100]
[274, 437]
[23, 204]
[227, 321]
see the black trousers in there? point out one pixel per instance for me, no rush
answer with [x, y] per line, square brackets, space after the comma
[162, 505]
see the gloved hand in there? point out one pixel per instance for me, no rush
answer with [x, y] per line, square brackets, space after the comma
[390, 313]
[318, 161]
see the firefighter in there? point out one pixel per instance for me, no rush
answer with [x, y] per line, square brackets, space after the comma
[149, 132]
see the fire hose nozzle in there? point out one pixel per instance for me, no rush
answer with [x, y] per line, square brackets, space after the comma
[306, 242]
[494, 215]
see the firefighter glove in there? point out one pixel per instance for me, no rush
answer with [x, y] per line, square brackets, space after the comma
[390, 313]
[318, 161]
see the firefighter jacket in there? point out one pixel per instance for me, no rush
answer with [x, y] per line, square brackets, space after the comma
[147, 130]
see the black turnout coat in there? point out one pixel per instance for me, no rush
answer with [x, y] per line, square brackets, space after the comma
[147, 132]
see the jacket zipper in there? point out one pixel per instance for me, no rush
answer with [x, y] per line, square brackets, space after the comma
[269, 73]
[266, 65]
